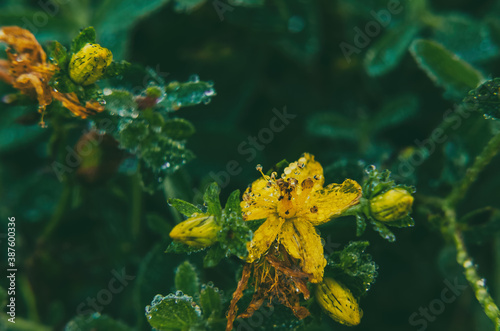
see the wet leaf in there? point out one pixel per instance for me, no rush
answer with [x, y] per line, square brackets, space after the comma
[388, 50]
[86, 36]
[95, 322]
[183, 207]
[173, 311]
[186, 279]
[446, 69]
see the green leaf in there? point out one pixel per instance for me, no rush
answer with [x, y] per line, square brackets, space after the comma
[183, 207]
[485, 99]
[116, 69]
[402, 223]
[178, 247]
[58, 54]
[353, 267]
[360, 224]
[395, 112]
[173, 312]
[187, 94]
[214, 255]
[63, 83]
[382, 230]
[86, 36]
[164, 155]
[186, 279]
[178, 128]
[210, 300]
[332, 125]
[121, 103]
[211, 198]
[95, 322]
[377, 182]
[388, 50]
[235, 233]
[446, 69]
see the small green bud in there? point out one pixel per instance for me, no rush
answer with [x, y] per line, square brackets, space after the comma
[391, 205]
[338, 302]
[197, 231]
[89, 64]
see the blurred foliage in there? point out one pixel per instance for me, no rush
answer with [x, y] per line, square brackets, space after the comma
[410, 98]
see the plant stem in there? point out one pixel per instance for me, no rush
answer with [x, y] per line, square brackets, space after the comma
[29, 298]
[477, 283]
[481, 161]
[58, 214]
[451, 230]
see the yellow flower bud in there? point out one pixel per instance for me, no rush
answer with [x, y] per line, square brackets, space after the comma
[89, 64]
[391, 205]
[197, 231]
[338, 302]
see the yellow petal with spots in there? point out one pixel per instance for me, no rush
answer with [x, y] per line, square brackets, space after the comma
[301, 241]
[306, 167]
[331, 201]
[260, 200]
[264, 237]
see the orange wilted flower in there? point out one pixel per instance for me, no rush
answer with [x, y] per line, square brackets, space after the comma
[28, 71]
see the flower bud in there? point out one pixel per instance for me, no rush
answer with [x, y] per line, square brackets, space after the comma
[391, 205]
[338, 302]
[197, 231]
[89, 64]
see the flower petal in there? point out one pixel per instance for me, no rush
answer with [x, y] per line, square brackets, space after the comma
[259, 200]
[264, 237]
[301, 241]
[24, 43]
[306, 167]
[71, 102]
[331, 201]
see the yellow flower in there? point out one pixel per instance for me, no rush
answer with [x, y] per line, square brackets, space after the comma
[200, 230]
[89, 64]
[391, 205]
[293, 205]
[338, 302]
